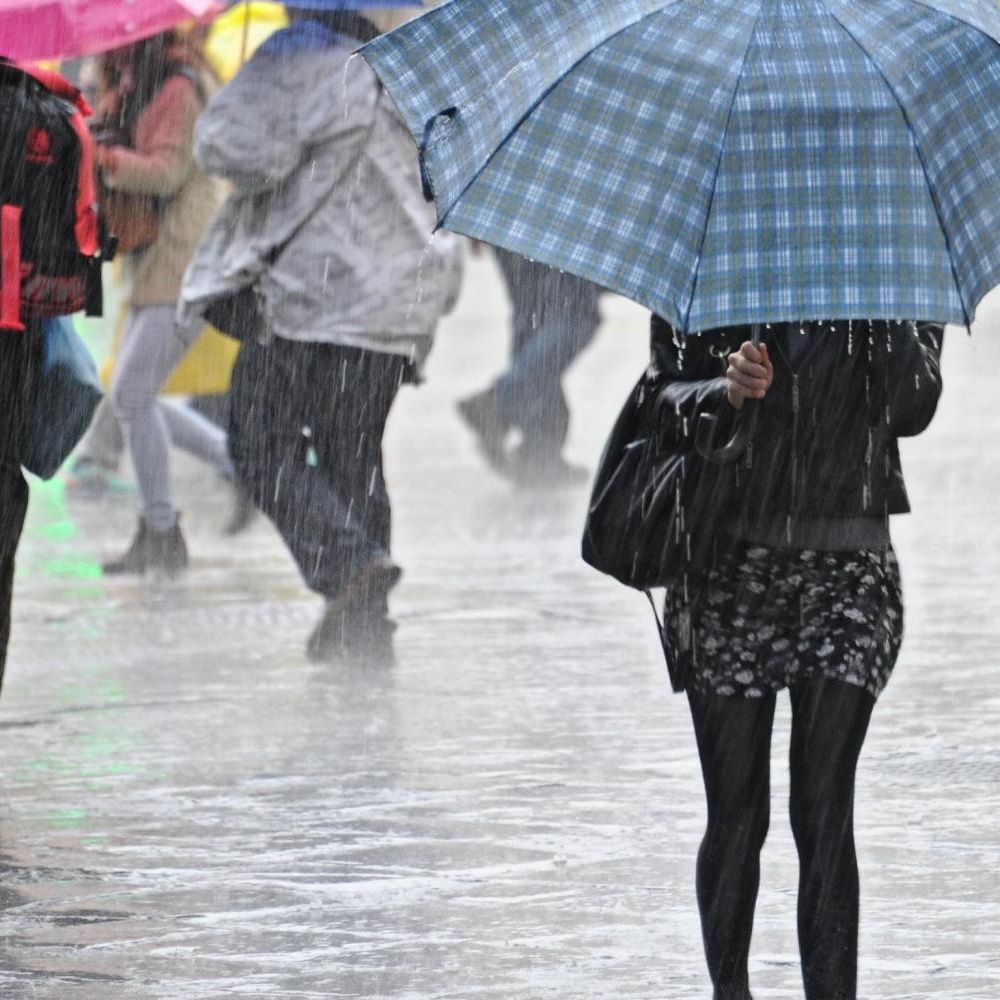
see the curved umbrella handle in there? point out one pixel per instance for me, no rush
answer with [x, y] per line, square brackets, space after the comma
[746, 421]
[704, 437]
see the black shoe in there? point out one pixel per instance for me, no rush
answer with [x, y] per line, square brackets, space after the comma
[348, 612]
[550, 473]
[484, 416]
[242, 512]
[161, 551]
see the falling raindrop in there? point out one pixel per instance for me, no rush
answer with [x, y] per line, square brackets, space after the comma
[419, 291]
[347, 70]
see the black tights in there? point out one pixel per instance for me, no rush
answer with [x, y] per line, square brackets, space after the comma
[829, 722]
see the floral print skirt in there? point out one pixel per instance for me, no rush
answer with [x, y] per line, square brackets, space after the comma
[767, 618]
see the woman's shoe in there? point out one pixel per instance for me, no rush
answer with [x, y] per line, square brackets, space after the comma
[161, 551]
[484, 416]
[91, 480]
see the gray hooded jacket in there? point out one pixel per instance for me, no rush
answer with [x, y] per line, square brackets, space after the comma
[318, 159]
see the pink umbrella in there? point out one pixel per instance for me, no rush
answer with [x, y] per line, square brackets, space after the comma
[63, 29]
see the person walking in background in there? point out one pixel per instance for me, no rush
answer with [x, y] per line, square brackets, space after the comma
[151, 94]
[804, 594]
[554, 318]
[328, 221]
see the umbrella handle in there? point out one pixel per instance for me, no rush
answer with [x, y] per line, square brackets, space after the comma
[746, 421]
[704, 437]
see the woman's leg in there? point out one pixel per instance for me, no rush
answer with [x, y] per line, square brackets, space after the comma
[104, 442]
[734, 745]
[829, 723]
[197, 435]
[151, 351]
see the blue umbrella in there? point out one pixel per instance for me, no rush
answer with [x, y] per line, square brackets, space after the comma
[719, 161]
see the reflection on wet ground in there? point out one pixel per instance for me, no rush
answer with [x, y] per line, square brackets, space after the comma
[511, 811]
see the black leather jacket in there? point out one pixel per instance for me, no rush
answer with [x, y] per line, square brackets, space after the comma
[823, 471]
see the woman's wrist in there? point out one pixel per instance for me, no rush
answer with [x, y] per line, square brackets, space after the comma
[108, 161]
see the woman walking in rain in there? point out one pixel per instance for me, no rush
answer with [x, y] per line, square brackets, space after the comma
[152, 93]
[794, 165]
[327, 219]
[805, 595]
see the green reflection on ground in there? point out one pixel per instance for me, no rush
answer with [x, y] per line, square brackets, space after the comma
[52, 522]
[69, 819]
[75, 568]
[108, 691]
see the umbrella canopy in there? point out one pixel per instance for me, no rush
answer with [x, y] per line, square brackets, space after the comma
[239, 32]
[64, 29]
[719, 161]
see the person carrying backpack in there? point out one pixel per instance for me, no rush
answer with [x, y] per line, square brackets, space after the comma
[50, 254]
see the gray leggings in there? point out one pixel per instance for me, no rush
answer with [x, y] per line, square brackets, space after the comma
[150, 350]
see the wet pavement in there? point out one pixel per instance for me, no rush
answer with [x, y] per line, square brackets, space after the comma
[511, 811]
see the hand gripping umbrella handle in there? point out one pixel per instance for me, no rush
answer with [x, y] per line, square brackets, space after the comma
[746, 421]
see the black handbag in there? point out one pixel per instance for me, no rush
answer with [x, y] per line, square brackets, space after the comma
[658, 503]
[238, 314]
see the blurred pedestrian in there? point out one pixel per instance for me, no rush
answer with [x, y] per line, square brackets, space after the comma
[327, 220]
[804, 594]
[151, 94]
[49, 267]
[554, 318]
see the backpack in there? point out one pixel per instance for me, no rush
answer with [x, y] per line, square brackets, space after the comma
[50, 239]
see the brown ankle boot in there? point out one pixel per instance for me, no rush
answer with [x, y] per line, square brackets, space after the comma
[164, 551]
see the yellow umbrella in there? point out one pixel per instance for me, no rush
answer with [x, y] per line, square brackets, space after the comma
[237, 32]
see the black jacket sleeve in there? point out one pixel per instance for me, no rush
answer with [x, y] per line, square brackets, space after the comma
[912, 376]
[688, 379]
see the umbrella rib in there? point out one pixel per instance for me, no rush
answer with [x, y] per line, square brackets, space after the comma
[718, 169]
[920, 157]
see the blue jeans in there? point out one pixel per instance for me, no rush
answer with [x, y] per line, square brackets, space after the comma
[555, 317]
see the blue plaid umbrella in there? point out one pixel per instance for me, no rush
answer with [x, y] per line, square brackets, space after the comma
[719, 161]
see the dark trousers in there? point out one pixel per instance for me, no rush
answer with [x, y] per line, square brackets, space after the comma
[19, 353]
[555, 316]
[829, 723]
[306, 428]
